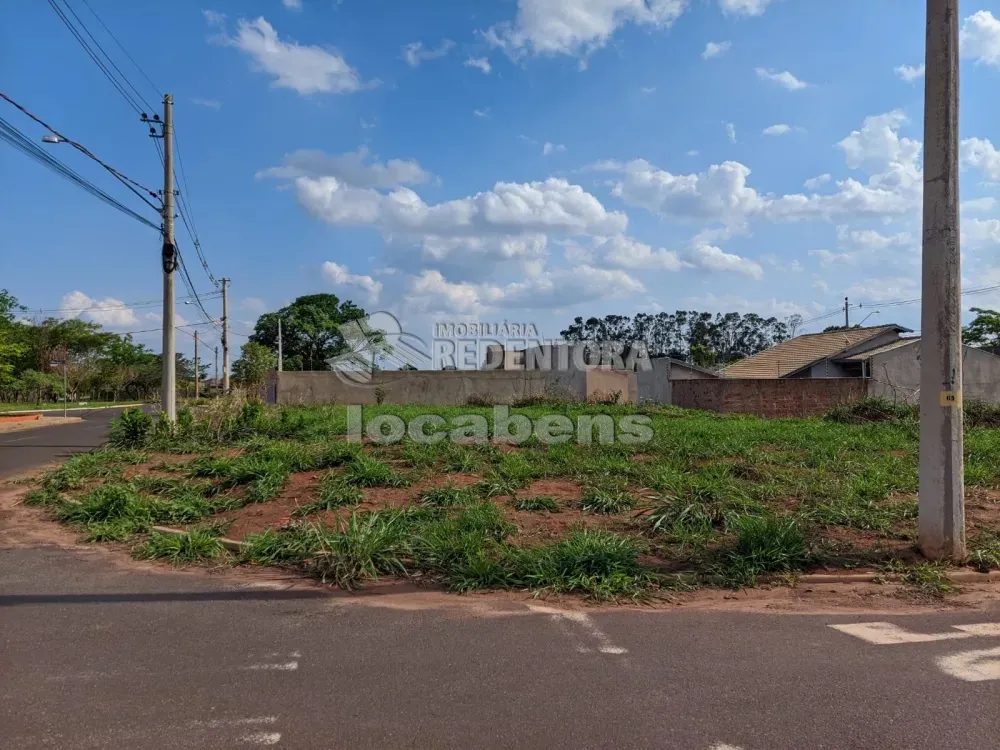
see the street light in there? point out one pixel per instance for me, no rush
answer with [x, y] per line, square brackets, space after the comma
[876, 312]
[52, 139]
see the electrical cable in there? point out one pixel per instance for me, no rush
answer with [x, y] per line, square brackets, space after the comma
[20, 141]
[125, 179]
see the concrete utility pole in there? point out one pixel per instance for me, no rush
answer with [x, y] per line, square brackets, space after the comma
[168, 385]
[196, 372]
[942, 484]
[847, 313]
[279, 343]
[225, 335]
[216, 378]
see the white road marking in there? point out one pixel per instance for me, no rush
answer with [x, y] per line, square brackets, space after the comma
[262, 738]
[723, 746]
[987, 629]
[972, 666]
[604, 644]
[287, 666]
[250, 720]
[885, 633]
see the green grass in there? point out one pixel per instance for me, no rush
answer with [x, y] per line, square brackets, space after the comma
[733, 496]
[607, 501]
[448, 496]
[764, 544]
[541, 504]
[334, 492]
[365, 471]
[180, 549]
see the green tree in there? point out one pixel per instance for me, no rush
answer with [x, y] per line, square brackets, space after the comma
[11, 347]
[311, 330]
[984, 330]
[253, 365]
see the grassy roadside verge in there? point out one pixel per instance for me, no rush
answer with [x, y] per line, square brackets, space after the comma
[709, 499]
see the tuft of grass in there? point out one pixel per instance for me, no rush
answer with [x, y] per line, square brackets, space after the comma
[606, 501]
[210, 466]
[448, 496]
[688, 522]
[109, 502]
[283, 547]
[864, 514]
[365, 546]
[925, 580]
[365, 471]
[195, 545]
[265, 488]
[334, 492]
[596, 563]
[764, 544]
[117, 530]
[44, 497]
[985, 553]
[540, 504]
[495, 485]
[464, 548]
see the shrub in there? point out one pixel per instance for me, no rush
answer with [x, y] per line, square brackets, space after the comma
[981, 414]
[185, 420]
[131, 430]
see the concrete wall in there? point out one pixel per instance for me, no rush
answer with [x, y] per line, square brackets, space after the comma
[450, 387]
[655, 383]
[792, 397]
[896, 374]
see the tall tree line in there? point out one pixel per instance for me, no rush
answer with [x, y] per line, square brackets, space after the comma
[100, 365]
[702, 338]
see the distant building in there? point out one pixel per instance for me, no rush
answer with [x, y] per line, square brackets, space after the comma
[653, 374]
[881, 354]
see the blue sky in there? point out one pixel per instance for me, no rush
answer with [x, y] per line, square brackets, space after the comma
[525, 160]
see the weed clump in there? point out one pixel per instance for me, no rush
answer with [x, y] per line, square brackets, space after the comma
[541, 504]
[764, 544]
[178, 549]
[873, 409]
[132, 429]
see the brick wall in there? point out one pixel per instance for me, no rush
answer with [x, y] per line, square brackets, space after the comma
[798, 397]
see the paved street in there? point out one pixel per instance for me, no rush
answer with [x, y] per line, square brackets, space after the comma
[27, 449]
[101, 653]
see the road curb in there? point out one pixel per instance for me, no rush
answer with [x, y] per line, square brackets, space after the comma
[230, 544]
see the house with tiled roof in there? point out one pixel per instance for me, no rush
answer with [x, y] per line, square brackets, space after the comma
[884, 355]
[818, 355]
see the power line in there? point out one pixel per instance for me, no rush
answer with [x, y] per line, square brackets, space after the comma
[22, 143]
[124, 305]
[121, 47]
[130, 100]
[125, 179]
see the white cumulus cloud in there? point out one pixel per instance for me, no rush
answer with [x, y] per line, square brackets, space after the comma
[307, 69]
[910, 73]
[479, 62]
[576, 27]
[715, 49]
[353, 168]
[980, 154]
[415, 53]
[744, 7]
[341, 276]
[552, 148]
[782, 78]
[980, 38]
[779, 129]
[109, 311]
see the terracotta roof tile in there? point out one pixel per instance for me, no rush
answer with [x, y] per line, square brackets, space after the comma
[794, 354]
[868, 353]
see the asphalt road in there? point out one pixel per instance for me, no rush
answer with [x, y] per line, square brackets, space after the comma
[26, 449]
[95, 653]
